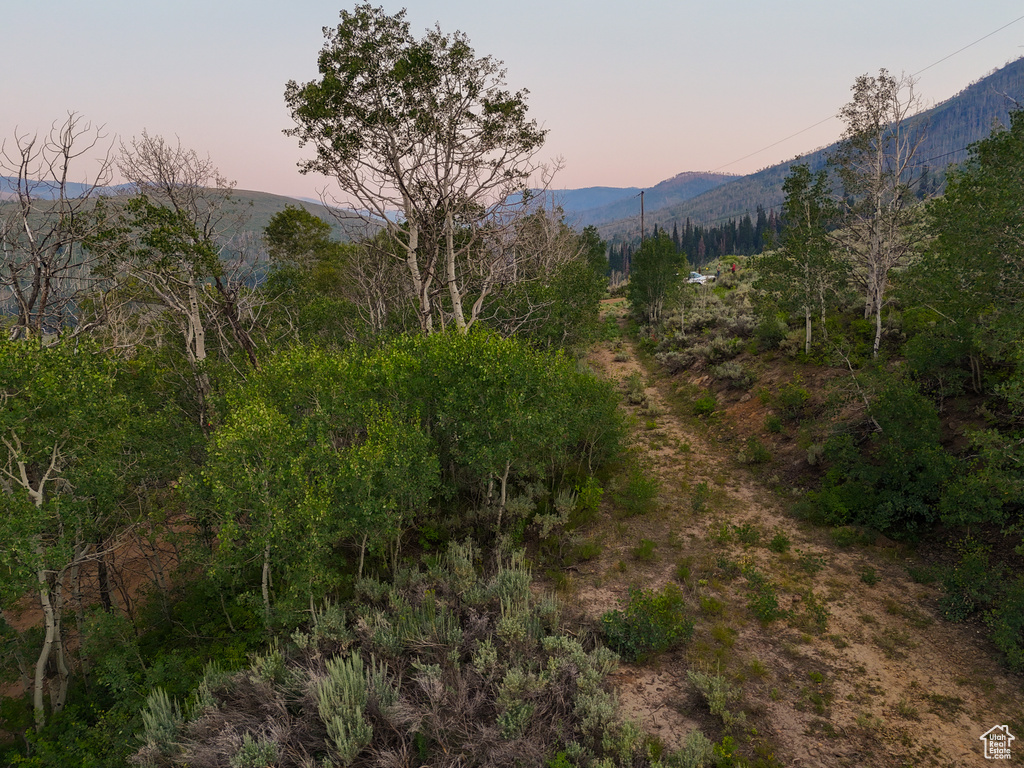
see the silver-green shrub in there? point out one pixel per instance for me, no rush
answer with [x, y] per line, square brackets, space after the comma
[341, 700]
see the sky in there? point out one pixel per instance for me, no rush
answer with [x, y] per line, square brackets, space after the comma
[631, 93]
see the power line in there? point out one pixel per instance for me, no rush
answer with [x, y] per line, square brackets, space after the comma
[833, 117]
[954, 53]
[780, 141]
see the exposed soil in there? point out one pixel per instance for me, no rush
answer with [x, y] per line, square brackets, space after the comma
[886, 681]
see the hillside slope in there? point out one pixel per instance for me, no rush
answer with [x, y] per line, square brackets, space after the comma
[665, 194]
[255, 208]
[950, 128]
[826, 653]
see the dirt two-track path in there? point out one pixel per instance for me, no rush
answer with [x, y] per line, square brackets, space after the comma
[885, 682]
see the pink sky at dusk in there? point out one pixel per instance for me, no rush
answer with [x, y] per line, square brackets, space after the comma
[631, 94]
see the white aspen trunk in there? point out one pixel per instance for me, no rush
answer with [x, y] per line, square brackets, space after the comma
[76, 593]
[44, 654]
[266, 585]
[450, 277]
[50, 623]
[198, 339]
[869, 293]
[879, 295]
[503, 497]
[59, 695]
[224, 608]
[362, 553]
[478, 305]
[821, 302]
[504, 484]
[420, 287]
[807, 322]
[195, 322]
[878, 327]
[396, 550]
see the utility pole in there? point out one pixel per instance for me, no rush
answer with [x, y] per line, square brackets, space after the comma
[641, 217]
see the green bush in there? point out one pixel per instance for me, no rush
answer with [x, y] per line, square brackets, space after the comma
[719, 694]
[791, 400]
[761, 599]
[845, 536]
[869, 576]
[705, 404]
[747, 533]
[972, 585]
[719, 349]
[162, 723]
[780, 543]
[700, 497]
[635, 389]
[474, 653]
[650, 622]
[1006, 623]
[734, 373]
[770, 333]
[922, 574]
[255, 753]
[755, 452]
[711, 606]
[810, 563]
[644, 551]
[341, 701]
[637, 495]
[588, 501]
[894, 482]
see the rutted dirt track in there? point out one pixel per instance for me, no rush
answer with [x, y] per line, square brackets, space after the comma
[886, 681]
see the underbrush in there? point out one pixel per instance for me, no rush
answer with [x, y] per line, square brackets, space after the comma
[448, 664]
[649, 622]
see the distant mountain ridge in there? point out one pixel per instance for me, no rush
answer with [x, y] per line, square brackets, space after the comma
[703, 198]
[48, 190]
[951, 127]
[261, 206]
[599, 205]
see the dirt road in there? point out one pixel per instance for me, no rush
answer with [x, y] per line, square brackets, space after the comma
[854, 666]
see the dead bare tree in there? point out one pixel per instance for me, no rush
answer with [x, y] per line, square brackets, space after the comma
[45, 272]
[878, 165]
[176, 249]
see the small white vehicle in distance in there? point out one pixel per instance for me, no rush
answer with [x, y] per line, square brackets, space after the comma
[699, 279]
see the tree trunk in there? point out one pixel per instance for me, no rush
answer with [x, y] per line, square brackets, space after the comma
[266, 586]
[504, 496]
[195, 321]
[362, 553]
[44, 654]
[59, 695]
[104, 583]
[420, 286]
[878, 328]
[450, 276]
[807, 322]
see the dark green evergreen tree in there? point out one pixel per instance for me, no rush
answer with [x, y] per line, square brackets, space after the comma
[655, 272]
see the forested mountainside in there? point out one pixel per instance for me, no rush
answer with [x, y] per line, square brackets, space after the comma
[950, 128]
